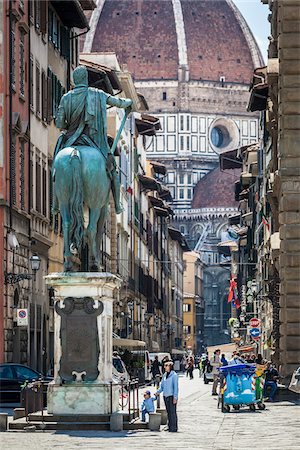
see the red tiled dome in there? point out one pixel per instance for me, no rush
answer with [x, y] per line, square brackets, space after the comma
[143, 35]
[216, 189]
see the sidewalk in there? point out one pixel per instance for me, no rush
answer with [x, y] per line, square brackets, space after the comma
[201, 426]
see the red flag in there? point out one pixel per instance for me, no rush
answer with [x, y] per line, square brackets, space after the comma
[129, 190]
[232, 287]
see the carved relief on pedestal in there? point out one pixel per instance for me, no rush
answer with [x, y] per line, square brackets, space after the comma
[79, 338]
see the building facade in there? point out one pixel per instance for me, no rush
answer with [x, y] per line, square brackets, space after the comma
[36, 38]
[266, 263]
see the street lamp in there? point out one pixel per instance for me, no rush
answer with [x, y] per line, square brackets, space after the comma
[35, 262]
[13, 278]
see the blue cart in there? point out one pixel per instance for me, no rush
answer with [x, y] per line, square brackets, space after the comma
[238, 387]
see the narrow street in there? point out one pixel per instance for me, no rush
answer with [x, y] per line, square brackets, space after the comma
[201, 426]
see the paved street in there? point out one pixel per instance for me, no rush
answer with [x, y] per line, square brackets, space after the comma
[201, 426]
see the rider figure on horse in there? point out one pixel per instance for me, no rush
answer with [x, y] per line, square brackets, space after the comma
[81, 116]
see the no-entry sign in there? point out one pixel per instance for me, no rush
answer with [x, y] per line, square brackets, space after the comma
[254, 322]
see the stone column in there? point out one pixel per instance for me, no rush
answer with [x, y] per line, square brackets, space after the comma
[289, 173]
[83, 343]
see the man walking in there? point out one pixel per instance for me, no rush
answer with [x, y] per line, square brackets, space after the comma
[169, 387]
[215, 362]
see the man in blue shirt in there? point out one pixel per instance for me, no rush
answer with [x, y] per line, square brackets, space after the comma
[169, 387]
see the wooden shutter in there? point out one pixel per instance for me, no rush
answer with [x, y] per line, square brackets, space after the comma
[43, 13]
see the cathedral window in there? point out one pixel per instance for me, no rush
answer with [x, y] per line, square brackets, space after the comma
[181, 194]
[189, 194]
[181, 179]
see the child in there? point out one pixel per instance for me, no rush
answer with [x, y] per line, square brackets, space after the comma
[147, 405]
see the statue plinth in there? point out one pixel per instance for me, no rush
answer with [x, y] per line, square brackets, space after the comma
[83, 343]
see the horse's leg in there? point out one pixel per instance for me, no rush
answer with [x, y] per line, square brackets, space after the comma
[66, 219]
[100, 229]
[91, 234]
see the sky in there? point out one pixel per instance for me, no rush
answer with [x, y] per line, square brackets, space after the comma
[256, 15]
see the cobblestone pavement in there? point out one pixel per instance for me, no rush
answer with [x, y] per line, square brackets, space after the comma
[201, 426]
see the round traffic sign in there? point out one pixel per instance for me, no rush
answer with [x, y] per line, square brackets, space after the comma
[254, 322]
[22, 313]
[255, 333]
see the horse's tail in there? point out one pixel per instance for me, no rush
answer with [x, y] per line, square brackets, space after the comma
[76, 202]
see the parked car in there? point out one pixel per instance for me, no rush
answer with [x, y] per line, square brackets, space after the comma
[12, 377]
[119, 370]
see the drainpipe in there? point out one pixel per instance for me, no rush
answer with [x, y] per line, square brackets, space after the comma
[10, 113]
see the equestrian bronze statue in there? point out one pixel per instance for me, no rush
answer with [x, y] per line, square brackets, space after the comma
[84, 168]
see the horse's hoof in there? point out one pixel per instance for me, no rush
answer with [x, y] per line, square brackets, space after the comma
[94, 268]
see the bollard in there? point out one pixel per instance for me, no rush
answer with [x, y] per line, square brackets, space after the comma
[116, 422]
[18, 413]
[3, 421]
[154, 421]
[164, 415]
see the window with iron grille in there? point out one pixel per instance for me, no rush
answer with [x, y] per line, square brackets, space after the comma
[22, 63]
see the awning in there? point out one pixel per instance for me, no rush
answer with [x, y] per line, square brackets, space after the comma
[156, 201]
[259, 90]
[147, 125]
[229, 159]
[70, 13]
[225, 248]
[88, 5]
[128, 343]
[148, 183]
[176, 235]
[102, 77]
[165, 193]
[234, 220]
[158, 168]
[163, 212]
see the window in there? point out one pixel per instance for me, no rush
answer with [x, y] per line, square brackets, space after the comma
[188, 143]
[37, 14]
[22, 63]
[171, 177]
[13, 56]
[38, 187]
[181, 179]
[186, 329]
[24, 373]
[186, 307]
[181, 143]
[31, 69]
[164, 96]
[37, 90]
[181, 193]
[44, 97]
[189, 179]
[22, 174]
[189, 194]
[181, 123]
[13, 171]
[6, 373]
[182, 229]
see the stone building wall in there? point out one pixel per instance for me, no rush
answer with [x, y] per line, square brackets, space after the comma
[289, 172]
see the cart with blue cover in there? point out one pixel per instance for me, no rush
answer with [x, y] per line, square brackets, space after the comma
[238, 387]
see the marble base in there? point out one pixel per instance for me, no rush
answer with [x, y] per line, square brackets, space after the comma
[82, 399]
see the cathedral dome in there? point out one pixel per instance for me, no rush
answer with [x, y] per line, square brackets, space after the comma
[216, 190]
[157, 40]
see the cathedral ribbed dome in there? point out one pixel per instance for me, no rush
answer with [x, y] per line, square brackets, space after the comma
[155, 38]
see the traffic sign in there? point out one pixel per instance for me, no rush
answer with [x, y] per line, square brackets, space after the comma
[22, 317]
[255, 333]
[254, 322]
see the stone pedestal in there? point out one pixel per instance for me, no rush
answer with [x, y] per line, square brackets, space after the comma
[83, 343]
